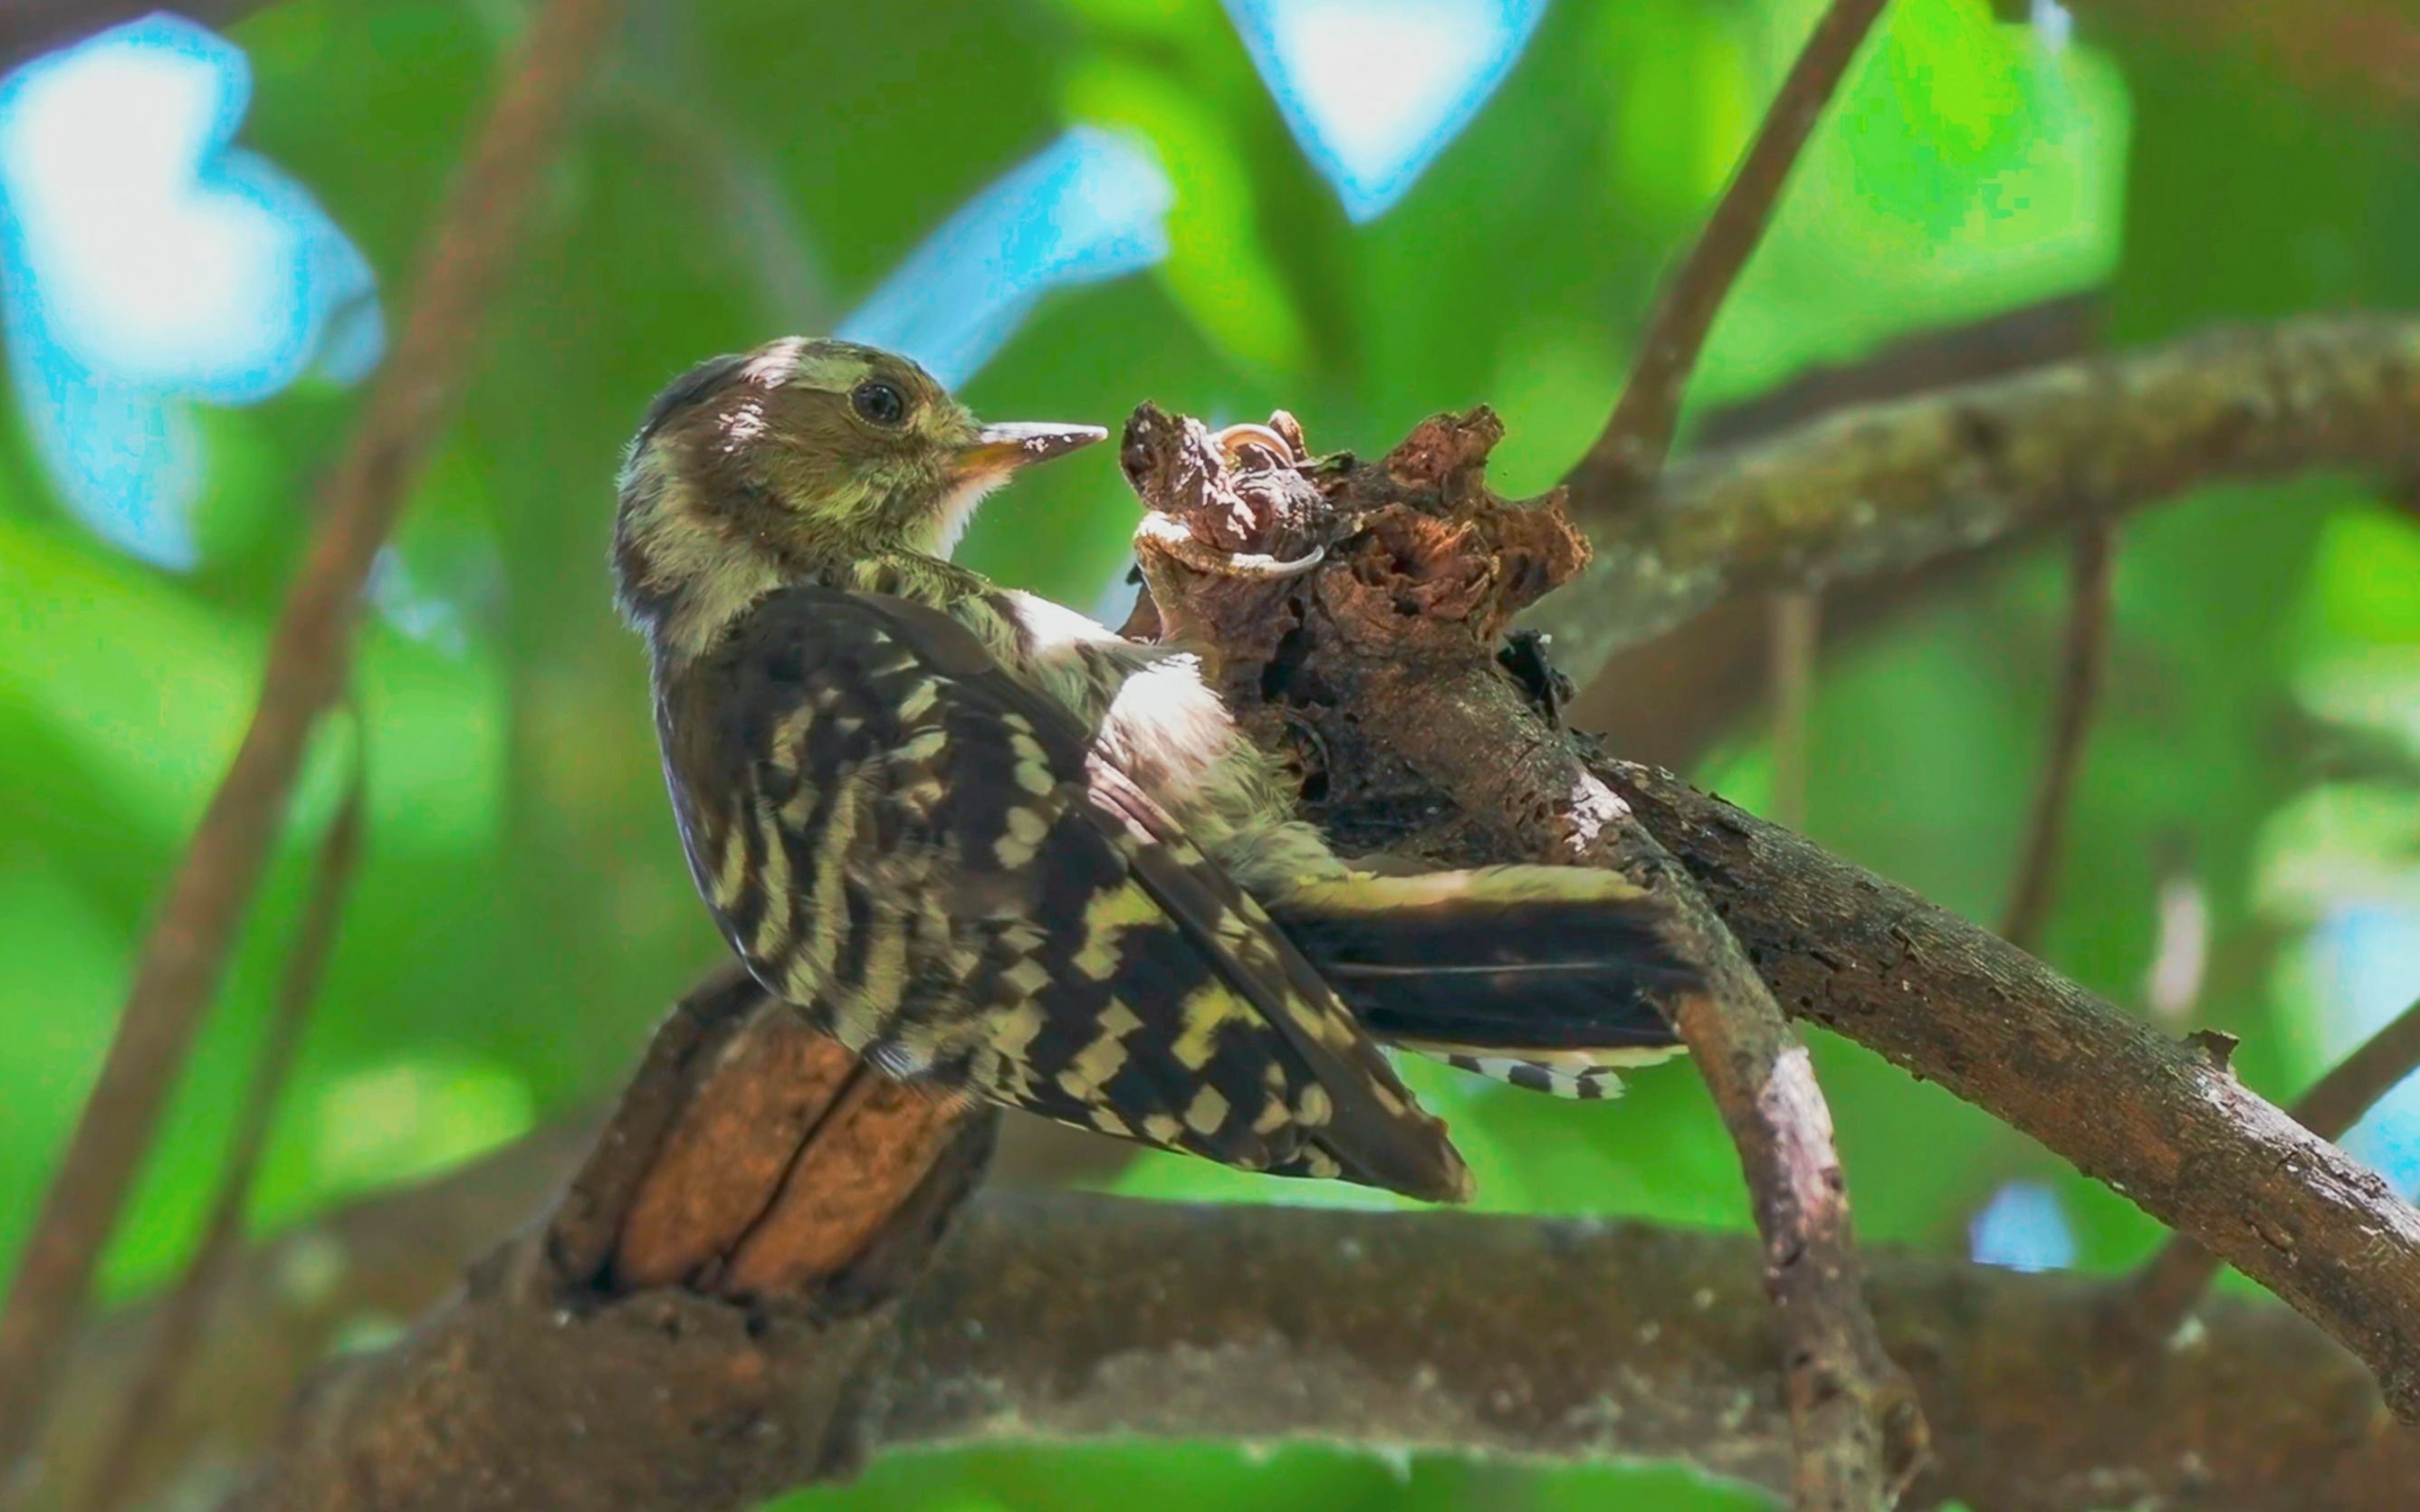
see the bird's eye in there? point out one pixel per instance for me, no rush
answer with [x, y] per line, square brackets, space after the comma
[879, 402]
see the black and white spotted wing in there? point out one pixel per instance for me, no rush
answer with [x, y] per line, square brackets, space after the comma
[928, 854]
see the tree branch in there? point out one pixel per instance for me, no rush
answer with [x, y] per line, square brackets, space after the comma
[2155, 1119]
[2166, 1291]
[720, 1278]
[482, 1397]
[1853, 1417]
[186, 952]
[1887, 488]
[178, 1327]
[289, 1304]
[1053, 1317]
[1628, 455]
[2083, 658]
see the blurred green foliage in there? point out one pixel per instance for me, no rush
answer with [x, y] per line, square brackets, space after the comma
[523, 917]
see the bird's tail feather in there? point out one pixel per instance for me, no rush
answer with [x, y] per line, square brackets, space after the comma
[1546, 977]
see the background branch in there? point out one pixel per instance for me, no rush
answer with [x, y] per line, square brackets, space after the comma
[2360, 51]
[1798, 629]
[1885, 489]
[1665, 699]
[1629, 452]
[29, 29]
[186, 952]
[177, 1327]
[2083, 657]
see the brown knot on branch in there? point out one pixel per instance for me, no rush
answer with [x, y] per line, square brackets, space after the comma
[1412, 549]
[1407, 563]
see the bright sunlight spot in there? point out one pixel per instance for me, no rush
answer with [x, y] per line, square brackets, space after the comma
[2365, 951]
[2023, 1227]
[1090, 207]
[1374, 89]
[144, 263]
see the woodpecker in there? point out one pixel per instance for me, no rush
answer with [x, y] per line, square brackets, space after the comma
[999, 851]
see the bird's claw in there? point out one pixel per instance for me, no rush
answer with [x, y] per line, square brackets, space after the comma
[1172, 537]
[1232, 441]
[1259, 565]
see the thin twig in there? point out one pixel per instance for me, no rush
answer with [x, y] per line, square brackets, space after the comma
[1629, 453]
[2171, 1284]
[183, 958]
[1797, 628]
[665, 86]
[1857, 1435]
[178, 1329]
[2083, 658]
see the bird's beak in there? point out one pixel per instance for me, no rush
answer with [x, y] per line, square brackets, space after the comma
[999, 450]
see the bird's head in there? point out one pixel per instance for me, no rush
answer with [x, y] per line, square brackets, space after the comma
[798, 459]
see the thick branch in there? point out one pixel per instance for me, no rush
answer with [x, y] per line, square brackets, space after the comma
[1590, 1340]
[1056, 1317]
[722, 1274]
[2167, 1288]
[2155, 1119]
[1887, 487]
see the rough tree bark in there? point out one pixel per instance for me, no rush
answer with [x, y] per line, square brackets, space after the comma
[1065, 1317]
